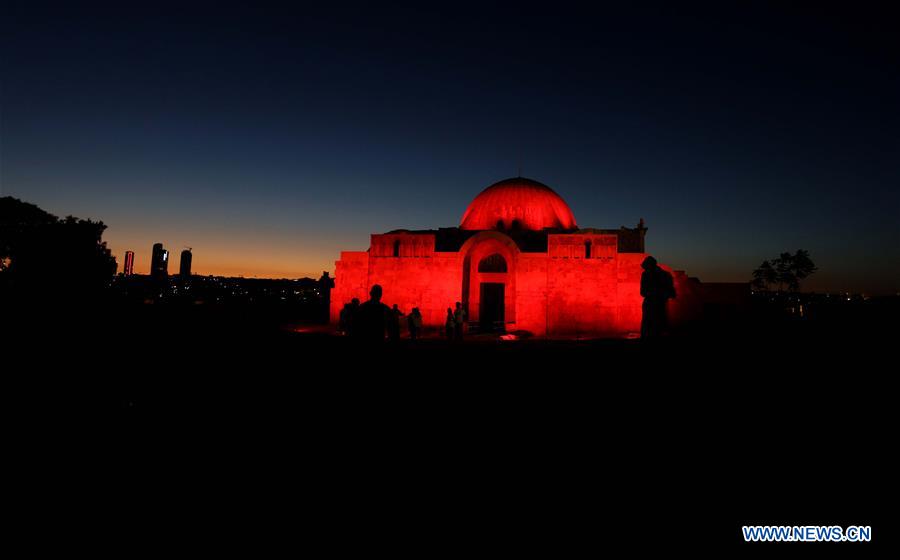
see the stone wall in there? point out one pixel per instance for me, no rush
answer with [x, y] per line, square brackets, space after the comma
[570, 291]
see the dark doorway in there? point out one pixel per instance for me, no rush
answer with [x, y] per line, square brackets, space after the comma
[491, 307]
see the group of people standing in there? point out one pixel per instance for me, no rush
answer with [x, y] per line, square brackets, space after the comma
[372, 320]
[454, 325]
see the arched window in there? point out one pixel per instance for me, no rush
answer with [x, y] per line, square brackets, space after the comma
[587, 249]
[397, 248]
[492, 263]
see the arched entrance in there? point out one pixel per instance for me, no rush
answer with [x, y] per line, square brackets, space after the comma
[489, 281]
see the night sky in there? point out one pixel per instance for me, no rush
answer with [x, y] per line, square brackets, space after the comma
[270, 138]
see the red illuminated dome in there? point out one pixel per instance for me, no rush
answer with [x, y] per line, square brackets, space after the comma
[518, 203]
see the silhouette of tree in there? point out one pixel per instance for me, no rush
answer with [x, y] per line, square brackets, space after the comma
[49, 257]
[783, 268]
[764, 276]
[801, 266]
[786, 271]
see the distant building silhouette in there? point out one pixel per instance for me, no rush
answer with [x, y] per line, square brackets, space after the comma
[159, 262]
[185, 269]
[129, 263]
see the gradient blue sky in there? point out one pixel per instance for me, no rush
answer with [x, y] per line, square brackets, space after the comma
[270, 137]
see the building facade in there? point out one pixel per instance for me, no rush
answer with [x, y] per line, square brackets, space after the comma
[129, 263]
[184, 270]
[517, 262]
[159, 262]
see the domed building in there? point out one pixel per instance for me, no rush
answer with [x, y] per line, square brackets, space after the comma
[517, 262]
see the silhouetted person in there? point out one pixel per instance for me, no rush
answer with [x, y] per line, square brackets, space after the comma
[459, 321]
[326, 283]
[372, 318]
[450, 324]
[657, 287]
[352, 317]
[394, 323]
[347, 317]
[344, 320]
[414, 323]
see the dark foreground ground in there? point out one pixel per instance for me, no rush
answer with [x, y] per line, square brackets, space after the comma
[226, 430]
